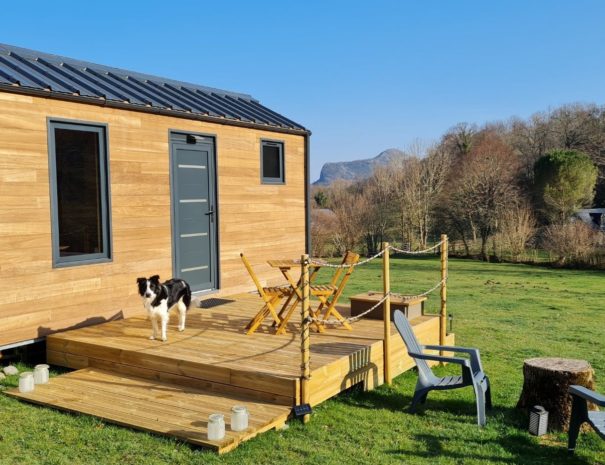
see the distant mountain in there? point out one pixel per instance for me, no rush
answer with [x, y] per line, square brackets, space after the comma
[357, 169]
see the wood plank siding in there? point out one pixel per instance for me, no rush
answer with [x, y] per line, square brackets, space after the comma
[264, 221]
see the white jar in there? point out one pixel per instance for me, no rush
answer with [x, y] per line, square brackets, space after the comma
[216, 427]
[239, 418]
[26, 382]
[41, 374]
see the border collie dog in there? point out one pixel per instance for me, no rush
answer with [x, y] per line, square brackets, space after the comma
[160, 298]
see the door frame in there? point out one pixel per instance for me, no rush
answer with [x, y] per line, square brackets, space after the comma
[214, 191]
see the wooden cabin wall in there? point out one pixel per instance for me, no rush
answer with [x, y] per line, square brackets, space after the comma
[264, 221]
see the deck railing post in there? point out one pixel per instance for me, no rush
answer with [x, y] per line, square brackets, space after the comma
[304, 335]
[386, 343]
[443, 310]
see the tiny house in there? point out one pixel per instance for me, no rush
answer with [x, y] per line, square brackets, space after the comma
[108, 174]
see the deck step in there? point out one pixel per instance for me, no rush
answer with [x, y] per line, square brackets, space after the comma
[154, 406]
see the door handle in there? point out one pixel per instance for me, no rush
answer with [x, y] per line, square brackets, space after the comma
[211, 212]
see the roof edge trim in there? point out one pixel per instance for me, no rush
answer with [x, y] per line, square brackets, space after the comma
[146, 109]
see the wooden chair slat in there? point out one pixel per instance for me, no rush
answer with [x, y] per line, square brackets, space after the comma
[336, 288]
[271, 296]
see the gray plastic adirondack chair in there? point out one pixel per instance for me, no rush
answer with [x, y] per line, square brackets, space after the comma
[472, 371]
[579, 414]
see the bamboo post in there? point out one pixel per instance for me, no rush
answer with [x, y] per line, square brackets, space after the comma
[443, 312]
[304, 335]
[386, 343]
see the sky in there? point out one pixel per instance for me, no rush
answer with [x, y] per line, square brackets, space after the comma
[362, 76]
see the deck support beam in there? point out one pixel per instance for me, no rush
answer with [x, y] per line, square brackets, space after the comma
[386, 343]
[304, 335]
[443, 310]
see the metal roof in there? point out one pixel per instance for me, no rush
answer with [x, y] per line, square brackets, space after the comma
[28, 71]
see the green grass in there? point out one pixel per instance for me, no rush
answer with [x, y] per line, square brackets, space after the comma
[511, 312]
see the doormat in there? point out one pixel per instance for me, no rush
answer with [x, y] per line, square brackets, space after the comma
[214, 302]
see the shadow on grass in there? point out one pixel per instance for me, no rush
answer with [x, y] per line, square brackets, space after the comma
[505, 433]
[517, 448]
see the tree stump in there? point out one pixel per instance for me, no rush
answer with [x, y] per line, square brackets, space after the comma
[546, 382]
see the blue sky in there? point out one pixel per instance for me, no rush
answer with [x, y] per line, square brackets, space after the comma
[363, 76]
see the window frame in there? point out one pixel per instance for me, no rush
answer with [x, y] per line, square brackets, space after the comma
[282, 160]
[102, 131]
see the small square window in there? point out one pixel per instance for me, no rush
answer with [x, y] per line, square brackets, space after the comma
[272, 162]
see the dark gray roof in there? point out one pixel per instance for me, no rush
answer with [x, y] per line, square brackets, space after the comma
[27, 70]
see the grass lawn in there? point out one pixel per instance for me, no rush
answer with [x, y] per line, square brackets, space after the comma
[511, 312]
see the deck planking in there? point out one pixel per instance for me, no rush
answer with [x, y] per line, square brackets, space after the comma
[160, 408]
[210, 366]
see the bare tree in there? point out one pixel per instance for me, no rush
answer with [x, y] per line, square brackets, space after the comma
[406, 182]
[517, 226]
[485, 186]
[531, 139]
[344, 201]
[376, 207]
[324, 227]
[434, 173]
[458, 140]
[570, 241]
[418, 182]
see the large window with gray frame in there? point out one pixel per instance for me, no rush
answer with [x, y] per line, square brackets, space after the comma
[79, 193]
[272, 162]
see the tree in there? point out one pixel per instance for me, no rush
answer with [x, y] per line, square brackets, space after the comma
[324, 226]
[573, 241]
[434, 173]
[564, 181]
[406, 184]
[345, 202]
[484, 188]
[458, 141]
[376, 207]
[321, 199]
[516, 227]
[417, 183]
[532, 139]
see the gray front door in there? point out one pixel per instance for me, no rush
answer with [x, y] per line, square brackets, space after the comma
[194, 215]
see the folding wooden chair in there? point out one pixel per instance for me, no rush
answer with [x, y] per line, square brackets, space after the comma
[270, 295]
[328, 295]
[328, 300]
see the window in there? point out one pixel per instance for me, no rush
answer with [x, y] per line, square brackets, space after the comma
[79, 193]
[272, 162]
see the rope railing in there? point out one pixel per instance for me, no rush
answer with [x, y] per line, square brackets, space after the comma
[423, 294]
[354, 319]
[374, 257]
[351, 319]
[308, 317]
[346, 265]
[416, 252]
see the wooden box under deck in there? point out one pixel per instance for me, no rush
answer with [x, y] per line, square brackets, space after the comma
[215, 365]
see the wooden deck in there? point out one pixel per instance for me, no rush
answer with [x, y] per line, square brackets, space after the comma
[171, 387]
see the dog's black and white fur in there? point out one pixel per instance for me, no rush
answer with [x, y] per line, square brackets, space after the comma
[160, 298]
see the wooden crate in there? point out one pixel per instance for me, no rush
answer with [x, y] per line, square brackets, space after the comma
[411, 306]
